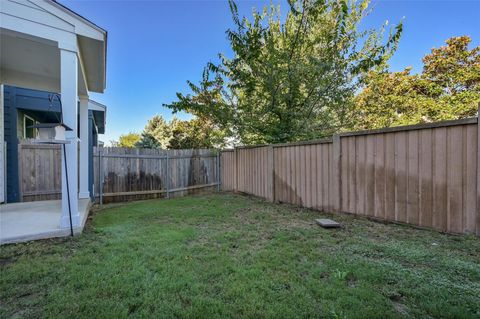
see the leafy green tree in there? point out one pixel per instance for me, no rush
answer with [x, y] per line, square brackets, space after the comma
[448, 88]
[195, 133]
[290, 80]
[178, 134]
[128, 140]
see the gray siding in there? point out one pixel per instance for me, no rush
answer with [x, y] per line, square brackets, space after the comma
[10, 132]
[34, 103]
[24, 101]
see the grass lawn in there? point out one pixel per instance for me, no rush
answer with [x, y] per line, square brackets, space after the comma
[234, 256]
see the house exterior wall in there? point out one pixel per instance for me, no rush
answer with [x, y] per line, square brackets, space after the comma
[92, 141]
[10, 137]
[49, 47]
[17, 102]
[15, 99]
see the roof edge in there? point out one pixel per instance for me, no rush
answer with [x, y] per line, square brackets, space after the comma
[97, 106]
[76, 15]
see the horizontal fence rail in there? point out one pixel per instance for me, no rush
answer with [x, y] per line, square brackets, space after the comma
[426, 175]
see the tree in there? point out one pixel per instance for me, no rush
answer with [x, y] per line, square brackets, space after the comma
[156, 133]
[195, 133]
[289, 80]
[448, 88]
[128, 140]
[148, 141]
[178, 134]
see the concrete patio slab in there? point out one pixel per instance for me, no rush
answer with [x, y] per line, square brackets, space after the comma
[20, 222]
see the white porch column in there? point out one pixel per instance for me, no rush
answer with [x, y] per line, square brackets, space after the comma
[69, 94]
[83, 159]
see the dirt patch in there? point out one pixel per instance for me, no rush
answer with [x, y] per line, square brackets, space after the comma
[400, 308]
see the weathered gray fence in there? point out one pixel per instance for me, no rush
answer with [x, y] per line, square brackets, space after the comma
[130, 173]
[40, 171]
[426, 175]
[121, 174]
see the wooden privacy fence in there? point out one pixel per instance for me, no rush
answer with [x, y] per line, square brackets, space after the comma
[120, 173]
[40, 171]
[131, 173]
[426, 175]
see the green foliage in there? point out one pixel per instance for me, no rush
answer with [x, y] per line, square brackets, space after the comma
[148, 141]
[340, 275]
[128, 140]
[195, 133]
[290, 80]
[448, 88]
[156, 133]
[230, 256]
[178, 134]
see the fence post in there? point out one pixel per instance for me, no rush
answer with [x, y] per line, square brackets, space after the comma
[20, 173]
[337, 176]
[100, 175]
[235, 170]
[218, 171]
[167, 182]
[478, 171]
[271, 174]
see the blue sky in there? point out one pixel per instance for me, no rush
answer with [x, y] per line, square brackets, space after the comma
[155, 46]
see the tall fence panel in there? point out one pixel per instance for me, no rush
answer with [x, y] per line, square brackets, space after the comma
[303, 174]
[252, 171]
[227, 166]
[426, 175]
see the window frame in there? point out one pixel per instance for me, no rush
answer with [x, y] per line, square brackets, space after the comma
[25, 117]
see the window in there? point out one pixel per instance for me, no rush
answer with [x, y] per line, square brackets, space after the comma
[29, 132]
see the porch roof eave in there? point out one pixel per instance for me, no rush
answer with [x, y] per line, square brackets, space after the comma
[100, 114]
[64, 30]
[92, 43]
